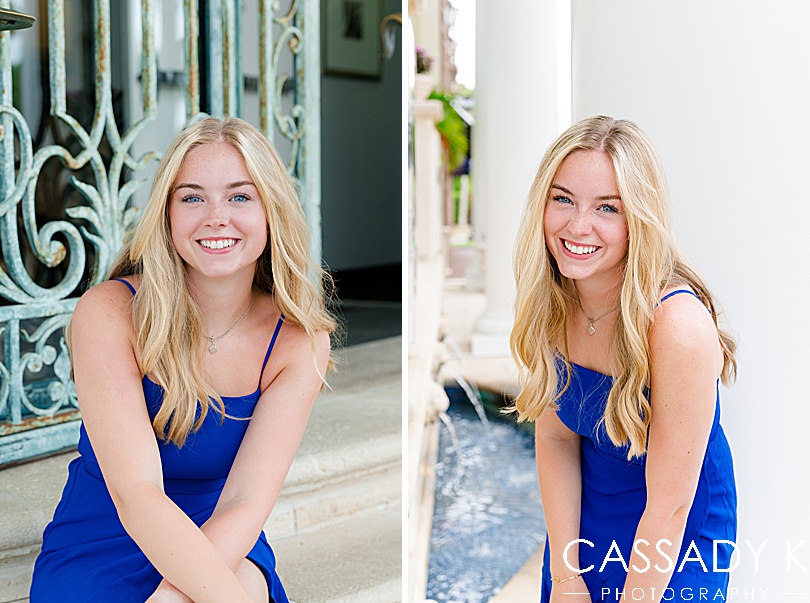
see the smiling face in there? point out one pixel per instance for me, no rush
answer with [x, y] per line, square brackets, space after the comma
[584, 222]
[217, 218]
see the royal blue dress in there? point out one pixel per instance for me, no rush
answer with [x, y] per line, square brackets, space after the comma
[614, 494]
[88, 557]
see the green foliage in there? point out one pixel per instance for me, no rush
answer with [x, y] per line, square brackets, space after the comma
[457, 195]
[452, 130]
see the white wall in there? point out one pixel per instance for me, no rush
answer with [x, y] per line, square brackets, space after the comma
[723, 89]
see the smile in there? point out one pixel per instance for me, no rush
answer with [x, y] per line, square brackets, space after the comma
[217, 243]
[579, 249]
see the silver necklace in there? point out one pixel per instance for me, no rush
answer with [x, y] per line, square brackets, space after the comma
[592, 321]
[213, 347]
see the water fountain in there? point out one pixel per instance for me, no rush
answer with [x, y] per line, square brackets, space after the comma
[488, 519]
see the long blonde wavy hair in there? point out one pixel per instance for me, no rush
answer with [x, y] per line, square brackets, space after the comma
[166, 320]
[546, 299]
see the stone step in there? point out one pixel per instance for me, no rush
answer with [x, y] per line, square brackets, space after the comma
[349, 462]
[351, 456]
[28, 497]
[355, 561]
[337, 532]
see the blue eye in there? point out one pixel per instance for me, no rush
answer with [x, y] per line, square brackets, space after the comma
[561, 199]
[240, 198]
[608, 209]
[192, 199]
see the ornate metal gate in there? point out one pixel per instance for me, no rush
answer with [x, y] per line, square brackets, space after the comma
[45, 264]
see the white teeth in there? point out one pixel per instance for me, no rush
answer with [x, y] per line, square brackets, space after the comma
[580, 249]
[217, 244]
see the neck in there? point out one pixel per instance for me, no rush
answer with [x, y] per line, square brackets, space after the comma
[221, 301]
[597, 297]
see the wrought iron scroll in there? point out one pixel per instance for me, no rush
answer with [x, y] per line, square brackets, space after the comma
[38, 405]
[297, 30]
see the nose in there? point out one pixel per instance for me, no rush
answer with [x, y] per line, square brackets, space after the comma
[580, 223]
[217, 214]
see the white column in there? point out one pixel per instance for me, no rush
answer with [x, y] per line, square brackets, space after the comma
[425, 397]
[519, 69]
[427, 31]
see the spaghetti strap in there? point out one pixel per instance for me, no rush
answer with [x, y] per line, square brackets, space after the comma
[131, 288]
[692, 293]
[270, 347]
[668, 295]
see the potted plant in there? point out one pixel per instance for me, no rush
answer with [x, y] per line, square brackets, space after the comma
[423, 83]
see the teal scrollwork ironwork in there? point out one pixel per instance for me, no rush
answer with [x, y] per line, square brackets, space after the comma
[298, 31]
[271, 87]
[38, 404]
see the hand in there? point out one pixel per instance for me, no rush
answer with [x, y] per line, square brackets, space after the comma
[166, 593]
[570, 591]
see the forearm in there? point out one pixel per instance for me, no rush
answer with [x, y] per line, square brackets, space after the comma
[651, 565]
[177, 548]
[233, 530]
[560, 476]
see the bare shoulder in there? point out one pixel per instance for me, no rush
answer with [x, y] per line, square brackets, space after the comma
[298, 345]
[102, 345]
[683, 326]
[104, 305]
[103, 312]
[298, 356]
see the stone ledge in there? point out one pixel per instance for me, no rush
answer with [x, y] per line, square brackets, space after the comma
[358, 560]
[365, 365]
[336, 463]
[15, 573]
[28, 497]
[525, 585]
[308, 510]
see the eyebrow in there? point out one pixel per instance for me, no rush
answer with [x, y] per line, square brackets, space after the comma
[240, 183]
[599, 198]
[198, 187]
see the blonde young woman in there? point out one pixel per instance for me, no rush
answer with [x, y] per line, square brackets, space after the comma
[212, 300]
[621, 354]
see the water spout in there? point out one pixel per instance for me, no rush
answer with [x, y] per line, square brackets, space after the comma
[445, 418]
[472, 392]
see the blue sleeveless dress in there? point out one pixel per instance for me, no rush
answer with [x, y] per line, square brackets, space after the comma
[614, 494]
[88, 557]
